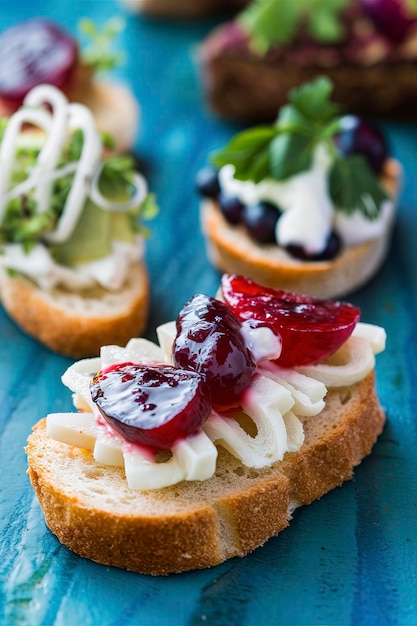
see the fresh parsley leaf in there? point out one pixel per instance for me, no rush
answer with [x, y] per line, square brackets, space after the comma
[312, 100]
[291, 154]
[270, 22]
[325, 25]
[249, 152]
[285, 148]
[353, 185]
[275, 22]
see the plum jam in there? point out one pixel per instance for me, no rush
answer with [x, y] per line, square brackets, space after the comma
[310, 329]
[152, 405]
[209, 342]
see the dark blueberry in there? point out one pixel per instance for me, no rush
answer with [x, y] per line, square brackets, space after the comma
[359, 137]
[260, 221]
[231, 207]
[207, 182]
[333, 247]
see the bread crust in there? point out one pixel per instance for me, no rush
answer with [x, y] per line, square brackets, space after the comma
[77, 324]
[232, 250]
[194, 525]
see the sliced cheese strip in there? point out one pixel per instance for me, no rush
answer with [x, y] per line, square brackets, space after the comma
[197, 455]
[295, 431]
[376, 335]
[350, 364]
[265, 403]
[108, 448]
[307, 392]
[166, 334]
[143, 473]
[74, 429]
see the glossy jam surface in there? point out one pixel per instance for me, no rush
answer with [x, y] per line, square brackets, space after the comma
[32, 53]
[209, 342]
[151, 405]
[310, 329]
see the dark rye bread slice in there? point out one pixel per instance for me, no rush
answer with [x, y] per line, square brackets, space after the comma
[77, 324]
[195, 525]
[242, 85]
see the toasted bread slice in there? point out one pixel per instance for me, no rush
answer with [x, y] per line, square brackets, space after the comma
[242, 85]
[76, 324]
[193, 525]
[232, 250]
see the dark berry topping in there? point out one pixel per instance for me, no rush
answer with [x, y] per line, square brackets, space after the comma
[207, 182]
[359, 137]
[310, 329]
[151, 405]
[209, 342]
[260, 221]
[333, 247]
[33, 53]
[231, 208]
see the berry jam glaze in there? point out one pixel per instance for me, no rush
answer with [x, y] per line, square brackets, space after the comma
[34, 52]
[209, 341]
[151, 405]
[310, 329]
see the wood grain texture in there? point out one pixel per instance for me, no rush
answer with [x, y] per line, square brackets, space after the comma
[349, 558]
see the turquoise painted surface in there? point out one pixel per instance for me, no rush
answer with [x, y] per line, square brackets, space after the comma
[350, 558]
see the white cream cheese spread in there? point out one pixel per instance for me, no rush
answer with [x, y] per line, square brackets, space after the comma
[308, 215]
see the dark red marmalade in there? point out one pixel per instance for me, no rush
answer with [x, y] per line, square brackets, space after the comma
[157, 404]
[152, 405]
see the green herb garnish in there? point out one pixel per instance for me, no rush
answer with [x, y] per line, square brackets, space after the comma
[275, 22]
[286, 148]
[23, 224]
[99, 54]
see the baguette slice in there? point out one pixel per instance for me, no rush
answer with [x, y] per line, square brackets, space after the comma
[195, 525]
[76, 324]
[232, 250]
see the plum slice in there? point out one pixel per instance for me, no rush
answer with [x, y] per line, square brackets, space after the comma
[310, 329]
[152, 405]
[209, 341]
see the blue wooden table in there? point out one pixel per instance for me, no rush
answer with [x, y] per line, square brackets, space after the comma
[350, 558]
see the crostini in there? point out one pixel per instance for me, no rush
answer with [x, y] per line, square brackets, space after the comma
[368, 48]
[199, 449]
[307, 203]
[72, 270]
